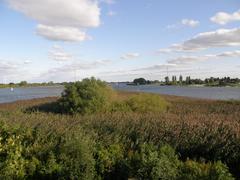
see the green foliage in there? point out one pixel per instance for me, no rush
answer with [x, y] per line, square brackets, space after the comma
[140, 81]
[25, 155]
[23, 83]
[76, 158]
[192, 170]
[147, 103]
[86, 97]
[110, 162]
[153, 163]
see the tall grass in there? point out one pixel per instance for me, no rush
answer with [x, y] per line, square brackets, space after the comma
[204, 131]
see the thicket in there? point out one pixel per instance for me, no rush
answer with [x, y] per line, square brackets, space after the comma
[30, 154]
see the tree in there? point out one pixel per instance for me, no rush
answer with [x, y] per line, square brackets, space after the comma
[140, 81]
[23, 83]
[180, 79]
[86, 97]
[188, 80]
[174, 79]
[166, 80]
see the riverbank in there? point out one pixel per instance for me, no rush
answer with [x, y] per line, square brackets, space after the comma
[198, 130]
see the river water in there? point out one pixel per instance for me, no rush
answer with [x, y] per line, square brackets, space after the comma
[220, 93]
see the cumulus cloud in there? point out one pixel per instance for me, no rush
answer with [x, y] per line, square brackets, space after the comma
[61, 20]
[130, 56]
[190, 22]
[223, 18]
[212, 39]
[57, 53]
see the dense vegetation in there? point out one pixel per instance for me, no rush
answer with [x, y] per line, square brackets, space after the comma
[132, 135]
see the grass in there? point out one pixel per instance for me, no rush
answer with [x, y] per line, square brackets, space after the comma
[200, 130]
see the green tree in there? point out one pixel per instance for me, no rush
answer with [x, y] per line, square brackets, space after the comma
[180, 79]
[167, 80]
[23, 83]
[140, 81]
[86, 97]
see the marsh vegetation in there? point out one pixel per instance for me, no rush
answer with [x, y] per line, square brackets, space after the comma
[119, 135]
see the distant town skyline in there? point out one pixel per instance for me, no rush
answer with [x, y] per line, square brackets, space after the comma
[118, 40]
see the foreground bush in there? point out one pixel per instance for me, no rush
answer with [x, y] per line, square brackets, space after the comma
[32, 154]
[86, 97]
[192, 170]
[29, 154]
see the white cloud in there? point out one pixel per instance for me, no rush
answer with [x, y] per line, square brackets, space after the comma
[130, 56]
[27, 62]
[223, 18]
[166, 50]
[172, 26]
[59, 19]
[156, 67]
[108, 1]
[230, 54]
[57, 53]
[202, 41]
[183, 60]
[187, 59]
[60, 33]
[190, 22]
[111, 13]
[184, 22]
[12, 72]
[69, 71]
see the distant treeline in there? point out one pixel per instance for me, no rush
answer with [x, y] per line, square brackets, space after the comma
[26, 84]
[225, 81]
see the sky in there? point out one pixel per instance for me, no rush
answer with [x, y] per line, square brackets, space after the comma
[118, 40]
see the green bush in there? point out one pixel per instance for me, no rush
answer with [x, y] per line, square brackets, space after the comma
[147, 103]
[192, 170]
[30, 155]
[153, 163]
[75, 157]
[86, 97]
[110, 162]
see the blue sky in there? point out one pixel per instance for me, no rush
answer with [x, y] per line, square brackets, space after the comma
[118, 40]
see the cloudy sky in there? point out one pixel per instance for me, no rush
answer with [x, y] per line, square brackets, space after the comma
[118, 40]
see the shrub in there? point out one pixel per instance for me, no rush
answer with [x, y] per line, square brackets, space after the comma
[110, 162]
[153, 163]
[147, 103]
[86, 97]
[192, 170]
[24, 157]
[75, 156]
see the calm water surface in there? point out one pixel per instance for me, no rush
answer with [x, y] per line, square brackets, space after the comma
[223, 93]
[6, 95]
[219, 93]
